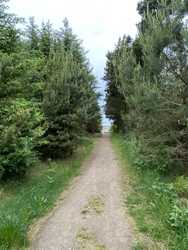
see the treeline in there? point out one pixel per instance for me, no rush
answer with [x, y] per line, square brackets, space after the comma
[147, 85]
[48, 93]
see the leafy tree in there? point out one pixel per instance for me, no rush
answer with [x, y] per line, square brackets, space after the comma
[19, 132]
[70, 102]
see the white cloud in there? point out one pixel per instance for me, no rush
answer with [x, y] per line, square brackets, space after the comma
[86, 17]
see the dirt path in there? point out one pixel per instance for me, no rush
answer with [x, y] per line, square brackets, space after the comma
[92, 215]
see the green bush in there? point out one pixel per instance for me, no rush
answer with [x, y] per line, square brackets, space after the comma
[144, 157]
[17, 156]
[20, 132]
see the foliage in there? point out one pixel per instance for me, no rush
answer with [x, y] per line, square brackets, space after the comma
[32, 34]
[21, 118]
[19, 132]
[179, 219]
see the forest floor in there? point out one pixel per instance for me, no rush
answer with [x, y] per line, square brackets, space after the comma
[91, 216]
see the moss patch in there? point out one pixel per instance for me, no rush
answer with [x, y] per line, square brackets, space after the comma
[95, 205]
[87, 241]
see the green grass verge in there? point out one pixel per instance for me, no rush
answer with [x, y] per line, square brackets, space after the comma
[24, 201]
[161, 219]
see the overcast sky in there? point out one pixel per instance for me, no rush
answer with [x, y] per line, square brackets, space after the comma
[99, 23]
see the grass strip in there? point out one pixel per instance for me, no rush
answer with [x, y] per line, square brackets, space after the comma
[161, 221]
[24, 201]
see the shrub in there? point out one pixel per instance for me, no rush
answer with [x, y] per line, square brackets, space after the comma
[179, 218]
[20, 132]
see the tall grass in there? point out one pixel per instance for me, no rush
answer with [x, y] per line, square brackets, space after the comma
[24, 201]
[153, 201]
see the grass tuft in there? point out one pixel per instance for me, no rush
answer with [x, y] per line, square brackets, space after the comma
[87, 241]
[12, 233]
[95, 204]
[140, 246]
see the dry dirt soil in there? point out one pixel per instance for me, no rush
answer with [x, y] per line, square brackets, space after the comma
[92, 216]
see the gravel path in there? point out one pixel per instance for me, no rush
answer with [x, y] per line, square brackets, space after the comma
[92, 216]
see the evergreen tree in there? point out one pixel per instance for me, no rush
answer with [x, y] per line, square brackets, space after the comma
[9, 34]
[46, 40]
[70, 102]
[169, 67]
[154, 83]
[70, 41]
[32, 34]
[150, 73]
[150, 6]
[116, 106]
[21, 83]
[66, 103]
[21, 118]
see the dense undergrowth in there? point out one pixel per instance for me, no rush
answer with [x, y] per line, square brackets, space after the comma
[157, 202]
[23, 201]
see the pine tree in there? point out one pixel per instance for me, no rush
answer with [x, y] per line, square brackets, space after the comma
[158, 101]
[46, 40]
[65, 103]
[116, 106]
[32, 34]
